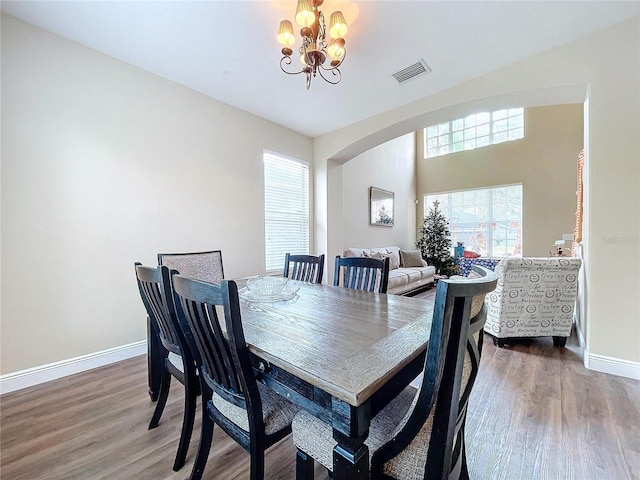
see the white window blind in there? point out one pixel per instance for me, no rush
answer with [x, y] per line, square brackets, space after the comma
[487, 221]
[286, 209]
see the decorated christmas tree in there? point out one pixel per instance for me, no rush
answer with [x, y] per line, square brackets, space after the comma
[434, 241]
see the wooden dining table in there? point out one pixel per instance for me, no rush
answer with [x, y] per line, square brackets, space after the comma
[341, 354]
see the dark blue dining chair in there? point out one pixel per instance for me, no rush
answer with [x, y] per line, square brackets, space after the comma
[174, 359]
[305, 268]
[362, 273]
[249, 412]
[420, 434]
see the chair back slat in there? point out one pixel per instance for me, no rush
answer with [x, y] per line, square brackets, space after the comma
[304, 268]
[211, 345]
[225, 361]
[361, 273]
[154, 285]
[473, 352]
[205, 266]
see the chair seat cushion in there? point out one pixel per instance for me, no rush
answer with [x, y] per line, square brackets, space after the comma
[176, 360]
[277, 411]
[315, 437]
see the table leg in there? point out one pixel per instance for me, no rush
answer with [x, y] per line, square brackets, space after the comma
[350, 429]
[154, 359]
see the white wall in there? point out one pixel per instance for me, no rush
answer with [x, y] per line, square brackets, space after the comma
[104, 164]
[603, 68]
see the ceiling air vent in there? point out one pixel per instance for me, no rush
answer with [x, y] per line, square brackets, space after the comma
[412, 71]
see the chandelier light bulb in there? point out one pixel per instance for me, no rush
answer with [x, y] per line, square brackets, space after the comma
[337, 25]
[305, 15]
[336, 49]
[285, 33]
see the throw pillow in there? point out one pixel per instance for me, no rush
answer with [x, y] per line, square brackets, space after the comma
[410, 258]
[470, 254]
[393, 262]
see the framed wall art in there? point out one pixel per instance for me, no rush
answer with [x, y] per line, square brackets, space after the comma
[380, 207]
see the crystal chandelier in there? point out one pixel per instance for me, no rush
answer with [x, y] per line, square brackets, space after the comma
[316, 47]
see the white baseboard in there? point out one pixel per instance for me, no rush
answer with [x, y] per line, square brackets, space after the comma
[613, 366]
[52, 371]
[601, 363]
[44, 373]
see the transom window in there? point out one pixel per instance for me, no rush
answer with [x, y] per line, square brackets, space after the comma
[487, 221]
[474, 131]
[286, 209]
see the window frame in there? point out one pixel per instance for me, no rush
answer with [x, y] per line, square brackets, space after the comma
[445, 140]
[491, 221]
[279, 210]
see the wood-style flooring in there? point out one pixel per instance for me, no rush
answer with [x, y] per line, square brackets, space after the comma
[535, 413]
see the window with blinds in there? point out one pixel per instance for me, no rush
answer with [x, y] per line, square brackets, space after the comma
[286, 209]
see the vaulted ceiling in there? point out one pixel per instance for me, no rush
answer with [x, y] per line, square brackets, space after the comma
[227, 49]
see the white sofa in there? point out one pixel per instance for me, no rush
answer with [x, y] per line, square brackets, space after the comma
[535, 297]
[402, 280]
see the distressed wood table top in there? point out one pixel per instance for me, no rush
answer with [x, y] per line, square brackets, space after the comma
[348, 343]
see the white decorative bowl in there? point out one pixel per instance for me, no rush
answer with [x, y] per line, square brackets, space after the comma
[267, 286]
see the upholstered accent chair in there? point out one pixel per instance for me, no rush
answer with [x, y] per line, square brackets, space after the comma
[362, 273]
[535, 297]
[305, 268]
[205, 266]
[249, 412]
[174, 359]
[420, 434]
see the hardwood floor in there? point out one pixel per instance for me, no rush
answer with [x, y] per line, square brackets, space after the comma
[535, 413]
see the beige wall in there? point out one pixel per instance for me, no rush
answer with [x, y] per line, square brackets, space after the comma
[100, 160]
[104, 164]
[544, 162]
[604, 69]
[389, 166]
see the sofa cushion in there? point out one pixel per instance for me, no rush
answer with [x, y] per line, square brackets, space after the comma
[428, 272]
[397, 278]
[410, 258]
[416, 273]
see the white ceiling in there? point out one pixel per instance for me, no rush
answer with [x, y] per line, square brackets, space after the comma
[227, 49]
